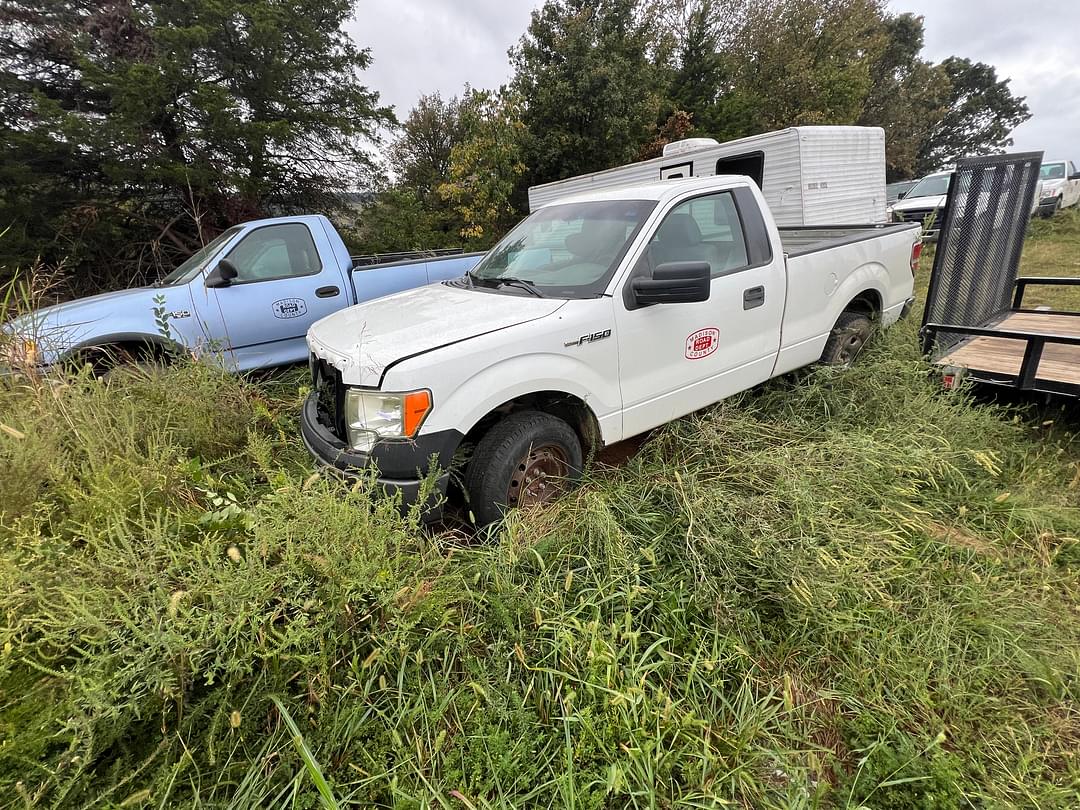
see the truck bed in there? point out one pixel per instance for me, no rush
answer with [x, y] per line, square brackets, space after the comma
[1060, 362]
[799, 241]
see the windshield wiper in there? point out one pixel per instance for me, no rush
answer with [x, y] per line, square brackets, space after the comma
[505, 281]
[520, 283]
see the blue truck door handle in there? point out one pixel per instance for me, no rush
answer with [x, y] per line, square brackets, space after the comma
[327, 292]
[753, 298]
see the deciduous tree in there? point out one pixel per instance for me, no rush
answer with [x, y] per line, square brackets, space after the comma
[420, 157]
[980, 113]
[907, 94]
[486, 165]
[590, 88]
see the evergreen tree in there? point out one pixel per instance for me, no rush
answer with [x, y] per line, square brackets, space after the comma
[160, 121]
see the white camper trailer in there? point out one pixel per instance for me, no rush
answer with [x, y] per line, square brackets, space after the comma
[809, 175]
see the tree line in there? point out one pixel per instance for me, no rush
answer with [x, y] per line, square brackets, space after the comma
[135, 129]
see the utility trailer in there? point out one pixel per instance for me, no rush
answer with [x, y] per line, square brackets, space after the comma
[975, 324]
[817, 175]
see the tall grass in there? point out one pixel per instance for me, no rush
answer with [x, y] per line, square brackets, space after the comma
[850, 589]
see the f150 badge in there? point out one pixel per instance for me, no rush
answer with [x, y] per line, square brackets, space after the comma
[289, 308]
[702, 343]
[592, 338]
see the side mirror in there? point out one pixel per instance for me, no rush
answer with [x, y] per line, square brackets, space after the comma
[1075, 176]
[901, 195]
[674, 283]
[222, 275]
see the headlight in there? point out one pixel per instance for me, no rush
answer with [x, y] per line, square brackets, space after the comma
[373, 415]
[1049, 192]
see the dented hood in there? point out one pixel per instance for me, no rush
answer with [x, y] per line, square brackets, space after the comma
[362, 341]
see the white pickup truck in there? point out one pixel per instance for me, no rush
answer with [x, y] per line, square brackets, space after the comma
[597, 318]
[1060, 186]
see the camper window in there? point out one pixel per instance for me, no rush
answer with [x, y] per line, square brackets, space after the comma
[751, 164]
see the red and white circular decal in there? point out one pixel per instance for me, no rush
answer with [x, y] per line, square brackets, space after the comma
[702, 343]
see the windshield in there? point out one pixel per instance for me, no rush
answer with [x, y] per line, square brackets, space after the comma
[933, 186]
[894, 190]
[194, 265]
[566, 251]
[1052, 171]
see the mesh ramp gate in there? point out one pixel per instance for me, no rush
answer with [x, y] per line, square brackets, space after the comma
[978, 251]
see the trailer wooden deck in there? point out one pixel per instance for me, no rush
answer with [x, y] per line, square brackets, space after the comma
[1060, 363]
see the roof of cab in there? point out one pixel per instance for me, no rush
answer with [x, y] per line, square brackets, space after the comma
[658, 190]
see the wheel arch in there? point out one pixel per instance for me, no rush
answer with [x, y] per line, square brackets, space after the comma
[867, 302]
[571, 408]
[98, 350]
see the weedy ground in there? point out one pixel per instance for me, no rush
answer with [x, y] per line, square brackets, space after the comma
[846, 589]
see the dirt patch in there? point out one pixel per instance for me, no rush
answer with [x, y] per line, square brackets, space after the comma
[960, 537]
[616, 455]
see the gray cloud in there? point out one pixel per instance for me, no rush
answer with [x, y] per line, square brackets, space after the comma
[1034, 45]
[421, 46]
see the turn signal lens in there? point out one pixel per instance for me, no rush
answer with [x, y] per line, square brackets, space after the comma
[417, 407]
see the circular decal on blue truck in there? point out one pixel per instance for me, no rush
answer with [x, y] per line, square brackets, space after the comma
[289, 308]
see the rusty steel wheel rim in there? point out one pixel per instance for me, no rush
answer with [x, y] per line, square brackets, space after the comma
[539, 477]
[853, 344]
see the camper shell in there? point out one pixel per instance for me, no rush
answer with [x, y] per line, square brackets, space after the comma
[809, 175]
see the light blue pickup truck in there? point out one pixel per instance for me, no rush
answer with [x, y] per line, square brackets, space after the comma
[247, 298]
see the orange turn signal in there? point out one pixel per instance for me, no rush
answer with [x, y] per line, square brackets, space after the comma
[415, 408]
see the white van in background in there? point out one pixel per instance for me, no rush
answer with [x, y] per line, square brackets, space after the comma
[809, 175]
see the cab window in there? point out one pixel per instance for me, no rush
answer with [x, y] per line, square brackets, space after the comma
[705, 229]
[276, 252]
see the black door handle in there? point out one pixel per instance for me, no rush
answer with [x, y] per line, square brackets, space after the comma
[327, 292]
[753, 298]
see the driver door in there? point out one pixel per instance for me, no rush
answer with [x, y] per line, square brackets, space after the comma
[282, 287]
[677, 358]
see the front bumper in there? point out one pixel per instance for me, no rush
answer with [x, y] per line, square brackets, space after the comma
[1046, 207]
[402, 465]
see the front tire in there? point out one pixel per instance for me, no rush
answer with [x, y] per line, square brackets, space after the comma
[528, 459]
[847, 339]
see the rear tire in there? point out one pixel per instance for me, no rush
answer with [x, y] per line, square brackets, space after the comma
[847, 339]
[527, 459]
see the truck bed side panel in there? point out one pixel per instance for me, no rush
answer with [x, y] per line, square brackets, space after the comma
[821, 285]
[375, 281]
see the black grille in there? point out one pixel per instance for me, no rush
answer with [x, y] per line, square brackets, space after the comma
[916, 215]
[978, 252]
[326, 381]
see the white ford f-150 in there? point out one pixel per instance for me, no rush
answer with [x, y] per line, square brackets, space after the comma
[595, 319]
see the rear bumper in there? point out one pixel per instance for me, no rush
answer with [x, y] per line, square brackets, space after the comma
[402, 466]
[907, 308]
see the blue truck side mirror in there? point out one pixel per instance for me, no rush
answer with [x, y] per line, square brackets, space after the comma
[222, 275]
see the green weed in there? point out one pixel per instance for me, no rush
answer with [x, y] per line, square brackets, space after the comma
[850, 589]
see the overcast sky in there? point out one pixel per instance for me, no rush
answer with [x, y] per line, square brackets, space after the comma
[420, 46]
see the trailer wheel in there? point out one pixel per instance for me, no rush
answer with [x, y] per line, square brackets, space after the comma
[527, 459]
[847, 339]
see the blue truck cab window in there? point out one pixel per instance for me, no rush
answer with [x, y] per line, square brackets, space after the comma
[275, 252]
